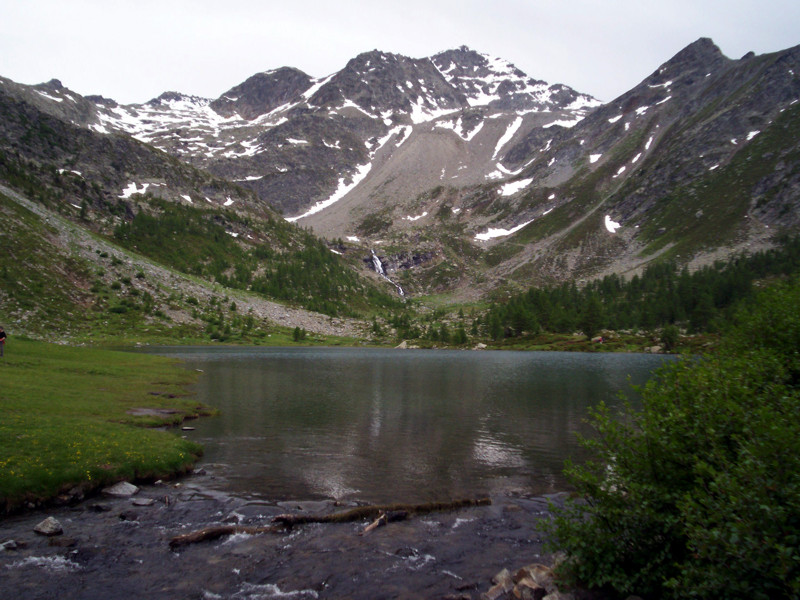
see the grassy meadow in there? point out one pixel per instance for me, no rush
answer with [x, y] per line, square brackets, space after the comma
[68, 419]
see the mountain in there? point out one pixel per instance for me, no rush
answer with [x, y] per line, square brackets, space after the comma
[296, 141]
[462, 173]
[107, 234]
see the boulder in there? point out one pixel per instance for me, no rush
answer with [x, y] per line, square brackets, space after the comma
[123, 489]
[504, 583]
[542, 575]
[49, 527]
[534, 582]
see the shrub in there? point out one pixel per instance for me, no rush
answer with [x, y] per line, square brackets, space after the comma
[669, 337]
[698, 494]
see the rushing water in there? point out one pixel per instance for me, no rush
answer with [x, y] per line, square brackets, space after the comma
[397, 425]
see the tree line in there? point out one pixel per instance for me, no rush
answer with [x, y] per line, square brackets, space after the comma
[665, 294]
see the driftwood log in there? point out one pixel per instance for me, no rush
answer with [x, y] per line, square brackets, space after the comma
[361, 513]
[387, 517]
[217, 531]
[381, 514]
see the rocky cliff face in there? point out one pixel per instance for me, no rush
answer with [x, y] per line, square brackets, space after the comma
[262, 93]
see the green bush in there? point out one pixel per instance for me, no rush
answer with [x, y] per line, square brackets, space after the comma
[698, 494]
[669, 337]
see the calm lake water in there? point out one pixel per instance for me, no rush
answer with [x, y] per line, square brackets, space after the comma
[397, 425]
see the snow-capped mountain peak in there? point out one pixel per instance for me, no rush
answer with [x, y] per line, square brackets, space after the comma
[495, 82]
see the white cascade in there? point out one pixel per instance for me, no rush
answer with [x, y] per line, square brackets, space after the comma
[376, 262]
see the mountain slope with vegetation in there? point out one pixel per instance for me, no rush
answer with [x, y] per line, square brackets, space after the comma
[456, 176]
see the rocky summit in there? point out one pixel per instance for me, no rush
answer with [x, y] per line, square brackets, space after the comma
[462, 173]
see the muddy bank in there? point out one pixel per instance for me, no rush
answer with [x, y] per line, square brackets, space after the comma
[113, 548]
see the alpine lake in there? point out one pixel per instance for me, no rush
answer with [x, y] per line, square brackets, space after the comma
[386, 425]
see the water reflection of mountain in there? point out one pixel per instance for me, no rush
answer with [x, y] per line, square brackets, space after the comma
[391, 425]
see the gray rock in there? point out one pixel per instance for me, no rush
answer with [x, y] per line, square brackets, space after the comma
[49, 527]
[123, 489]
[143, 501]
[9, 545]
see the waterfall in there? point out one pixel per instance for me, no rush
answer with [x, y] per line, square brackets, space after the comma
[378, 265]
[376, 262]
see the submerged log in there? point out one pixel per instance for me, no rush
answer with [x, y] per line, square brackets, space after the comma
[216, 532]
[387, 513]
[361, 513]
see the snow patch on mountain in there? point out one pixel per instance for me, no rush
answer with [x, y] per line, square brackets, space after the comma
[146, 122]
[611, 226]
[509, 189]
[567, 123]
[494, 233]
[341, 191]
[458, 128]
[49, 97]
[133, 189]
[506, 137]
[422, 111]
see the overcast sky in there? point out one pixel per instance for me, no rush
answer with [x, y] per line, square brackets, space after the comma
[133, 51]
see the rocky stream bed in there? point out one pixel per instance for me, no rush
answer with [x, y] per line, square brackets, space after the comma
[119, 547]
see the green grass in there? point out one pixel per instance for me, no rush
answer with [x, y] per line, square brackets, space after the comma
[65, 419]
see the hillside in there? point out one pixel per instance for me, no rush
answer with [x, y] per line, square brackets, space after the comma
[59, 281]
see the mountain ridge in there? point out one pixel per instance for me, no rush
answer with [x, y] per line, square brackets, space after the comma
[495, 178]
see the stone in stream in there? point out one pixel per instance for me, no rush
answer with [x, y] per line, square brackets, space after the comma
[503, 583]
[49, 527]
[143, 501]
[123, 489]
[62, 542]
